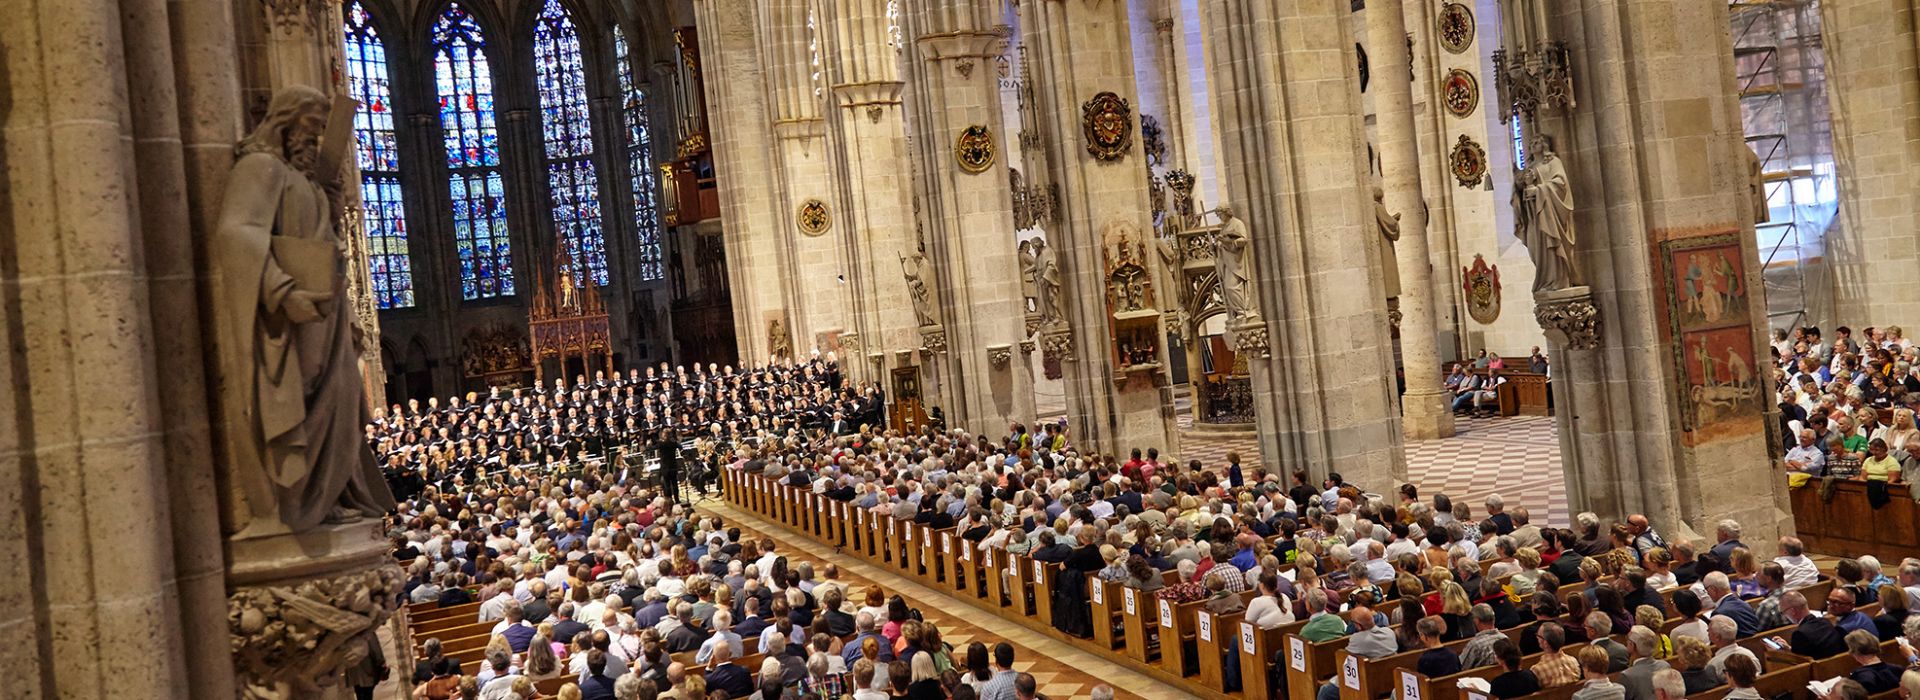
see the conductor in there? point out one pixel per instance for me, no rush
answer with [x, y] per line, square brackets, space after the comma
[667, 449]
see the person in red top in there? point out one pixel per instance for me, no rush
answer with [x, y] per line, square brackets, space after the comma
[1131, 469]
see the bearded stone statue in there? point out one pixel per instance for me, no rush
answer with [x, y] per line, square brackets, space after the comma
[290, 377]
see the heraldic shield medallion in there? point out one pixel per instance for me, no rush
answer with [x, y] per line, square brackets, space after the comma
[1107, 120]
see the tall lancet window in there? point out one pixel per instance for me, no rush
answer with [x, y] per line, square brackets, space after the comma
[465, 85]
[572, 184]
[383, 212]
[646, 190]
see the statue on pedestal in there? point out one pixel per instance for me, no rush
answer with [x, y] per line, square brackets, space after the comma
[916, 275]
[1046, 282]
[290, 374]
[1027, 287]
[1389, 225]
[1232, 247]
[1543, 214]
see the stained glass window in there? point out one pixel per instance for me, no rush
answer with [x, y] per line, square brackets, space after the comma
[383, 213]
[646, 190]
[572, 183]
[465, 85]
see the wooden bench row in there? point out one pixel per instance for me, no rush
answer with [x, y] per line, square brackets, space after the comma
[1176, 642]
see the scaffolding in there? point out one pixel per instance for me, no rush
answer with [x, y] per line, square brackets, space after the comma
[1780, 66]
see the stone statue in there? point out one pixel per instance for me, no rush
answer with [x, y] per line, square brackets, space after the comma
[917, 287]
[1046, 282]
[569, 290]
[1543, 212]
[1390, 230]
[778, 344]
[1230, 259]
[1027, 290]
[290, 374]
[1756, 188]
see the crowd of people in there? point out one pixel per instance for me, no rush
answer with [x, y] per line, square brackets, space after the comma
[599, 569]
[510, 434]
[1847, 405]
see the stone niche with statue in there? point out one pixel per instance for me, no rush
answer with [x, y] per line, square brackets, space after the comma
[1132, 312]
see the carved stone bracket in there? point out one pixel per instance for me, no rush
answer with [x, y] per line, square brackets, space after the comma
[1250, 337]
[878, 358]
[850, 343]
[293, 640]
[1057, 344]
[1032, 322]
[289, 15]
[1394, 317]
[1026, 347]
[1569, 317]
[934, 338]
[999, 355]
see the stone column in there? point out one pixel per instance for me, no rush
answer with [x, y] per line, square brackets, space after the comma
[1425, 414]
[1080, 50]
[1643, 427]
[863, 71]
[969, 210]
[816, 257]
[743, 162]
[1294, 165]
[1875, 100]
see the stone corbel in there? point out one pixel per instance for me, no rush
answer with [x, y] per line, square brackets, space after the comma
[878, 359]
[999, 355]
[903, 358]
[934, 338]
[1250, 337]
[1032, 322]
[1057, 344]
[1026, 347]
[295, 640]
[850, 343]
[1569, 317]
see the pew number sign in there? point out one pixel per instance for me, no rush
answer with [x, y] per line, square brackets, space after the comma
[1246, 639]
[1098, 593]
[1166, 614]
[1205, 627]
[1127, 595]
[1297, 653]
[1409, 685]
[1350, 672]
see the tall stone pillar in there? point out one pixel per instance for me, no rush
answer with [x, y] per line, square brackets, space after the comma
[1663, 407]
[1084, 86]
[1425, 414]
[1872, 48]
[734, 76]
[863, 69]
[1294, 159]
[810, 242]
[968, 209]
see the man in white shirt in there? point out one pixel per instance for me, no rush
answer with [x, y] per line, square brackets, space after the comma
[1800, 570]
[496, 607]
[1721, 632]
[722, 634]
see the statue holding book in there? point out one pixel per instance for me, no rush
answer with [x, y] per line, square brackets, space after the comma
[290, 376]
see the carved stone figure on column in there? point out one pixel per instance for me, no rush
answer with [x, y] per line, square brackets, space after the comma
[1389, 225]
[914, 267]
[291, 382]
[1027, 287]
[1046, 282]
[1545, 212]
[1230, 260]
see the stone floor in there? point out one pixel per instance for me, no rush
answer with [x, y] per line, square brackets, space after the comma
[1062, 671]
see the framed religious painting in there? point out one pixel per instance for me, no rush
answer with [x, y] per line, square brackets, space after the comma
[1710, 318]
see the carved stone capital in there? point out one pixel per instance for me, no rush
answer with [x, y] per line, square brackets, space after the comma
[850, 343]
[1569, 317]
[290, 15]
[1026, 347]
[1250, 337]
[999, 355]
[1057, 343]
[934, 338]
[291, 640]
[878, 358]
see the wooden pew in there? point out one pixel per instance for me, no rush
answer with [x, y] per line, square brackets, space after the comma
[992, 565]
[1103, 611]
[1044, 578]
[1020, 584]
[1139, 626]
[1786, 680]
[1214, 636]
[1309, 664]
[967, 568]
[929, 556]
[909, 547]
[1258, 648]
[1176, 631]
